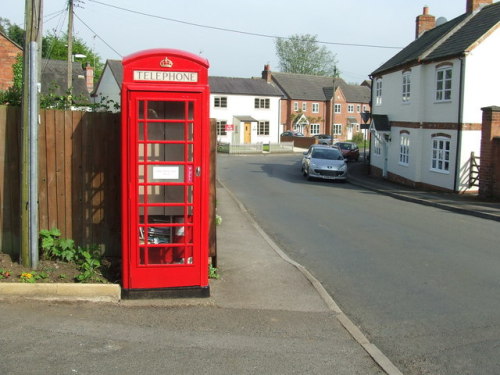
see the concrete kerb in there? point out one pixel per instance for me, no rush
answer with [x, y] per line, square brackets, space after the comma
[353, 330]
[425, 202]
[62, 292]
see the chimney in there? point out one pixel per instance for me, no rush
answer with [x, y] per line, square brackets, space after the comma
[424, 22]
[266, 73]
[472, 5]
[89, 77]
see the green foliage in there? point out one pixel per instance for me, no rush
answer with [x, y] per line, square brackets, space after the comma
[301, 54]
[55, 47]
[213, 272]
[32, 277]
[13, 31]
[12, 96]
[358, 138]
[5, 274]
[88, 259]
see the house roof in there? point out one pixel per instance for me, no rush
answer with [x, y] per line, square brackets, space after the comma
[451, 39]
[116, 68]
[311, 87]
[55, 78]
[10, 40]
[304, 86]
[243, 86]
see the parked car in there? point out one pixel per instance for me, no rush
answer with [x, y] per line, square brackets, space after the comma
[350, 150]
[325, 162]
[324, 139]
[292, 133]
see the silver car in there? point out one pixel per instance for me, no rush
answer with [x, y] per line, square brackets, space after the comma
[324, 162]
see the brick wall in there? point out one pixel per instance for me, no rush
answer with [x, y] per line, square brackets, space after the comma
[8, 54]
[489, 170]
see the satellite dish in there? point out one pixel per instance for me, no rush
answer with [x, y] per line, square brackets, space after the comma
[440, 21]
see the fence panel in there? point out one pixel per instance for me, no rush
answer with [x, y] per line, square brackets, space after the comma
[79, 177]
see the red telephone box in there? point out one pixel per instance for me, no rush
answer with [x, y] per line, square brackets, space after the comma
[165, 174]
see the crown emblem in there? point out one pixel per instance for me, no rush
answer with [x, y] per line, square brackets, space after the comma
[166, 63]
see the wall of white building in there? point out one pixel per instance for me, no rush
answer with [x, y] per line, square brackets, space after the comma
[108, 89]
[244, 105]
[482, 78]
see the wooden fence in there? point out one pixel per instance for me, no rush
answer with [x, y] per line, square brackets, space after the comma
[79, 177]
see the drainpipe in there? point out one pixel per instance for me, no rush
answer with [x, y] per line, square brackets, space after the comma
[460, 124]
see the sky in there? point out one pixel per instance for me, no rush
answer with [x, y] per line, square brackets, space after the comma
[238, 37]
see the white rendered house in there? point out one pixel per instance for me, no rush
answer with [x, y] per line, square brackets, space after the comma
[246, 110]
[427, 100]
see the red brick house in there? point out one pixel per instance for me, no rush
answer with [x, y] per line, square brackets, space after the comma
[8, 53]
[320, 105]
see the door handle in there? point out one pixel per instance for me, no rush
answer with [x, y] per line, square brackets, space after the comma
[198, 171]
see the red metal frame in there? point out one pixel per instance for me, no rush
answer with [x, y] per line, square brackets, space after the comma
[174, 252]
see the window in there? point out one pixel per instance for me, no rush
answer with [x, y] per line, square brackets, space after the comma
[350, 108]
[338, 108]
[404, 149]
[406, 87]
[378, 91]
[296, 106]
[443, 83]
[358, 108]
[304, 107]
[221, 127]
[220, 102]
[337, 129]
[314, 128]
[440, 154]
[261, 103]
[315, 107]
[263, 128]
[377, 148]
[365, 108]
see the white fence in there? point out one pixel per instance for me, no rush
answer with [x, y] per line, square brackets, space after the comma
[256, 148]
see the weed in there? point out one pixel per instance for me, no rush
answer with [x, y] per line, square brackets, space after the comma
[213, 272]
[32, 277]
[4, 274]
[88, 259]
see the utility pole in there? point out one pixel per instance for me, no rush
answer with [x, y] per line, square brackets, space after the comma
[29, 134]
[70, 44]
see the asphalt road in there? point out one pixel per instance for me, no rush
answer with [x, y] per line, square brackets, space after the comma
[422, 283]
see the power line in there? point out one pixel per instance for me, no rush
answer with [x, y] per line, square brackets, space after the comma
[233, 30]
[101, 39]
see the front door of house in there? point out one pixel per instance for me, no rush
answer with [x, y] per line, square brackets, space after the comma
[248, 132]
[164, 162]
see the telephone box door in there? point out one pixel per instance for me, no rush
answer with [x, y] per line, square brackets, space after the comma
[165, 189]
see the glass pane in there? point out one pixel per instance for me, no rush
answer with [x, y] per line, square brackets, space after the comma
[165, 152]
[166, 110]
[141, 131]
[141, 109]
[165, 194]
[158, 131]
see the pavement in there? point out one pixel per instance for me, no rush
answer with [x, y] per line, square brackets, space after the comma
[258, 277]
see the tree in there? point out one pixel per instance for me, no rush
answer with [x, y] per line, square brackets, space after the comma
[56, 47]
[301, 54]
[13, 31]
